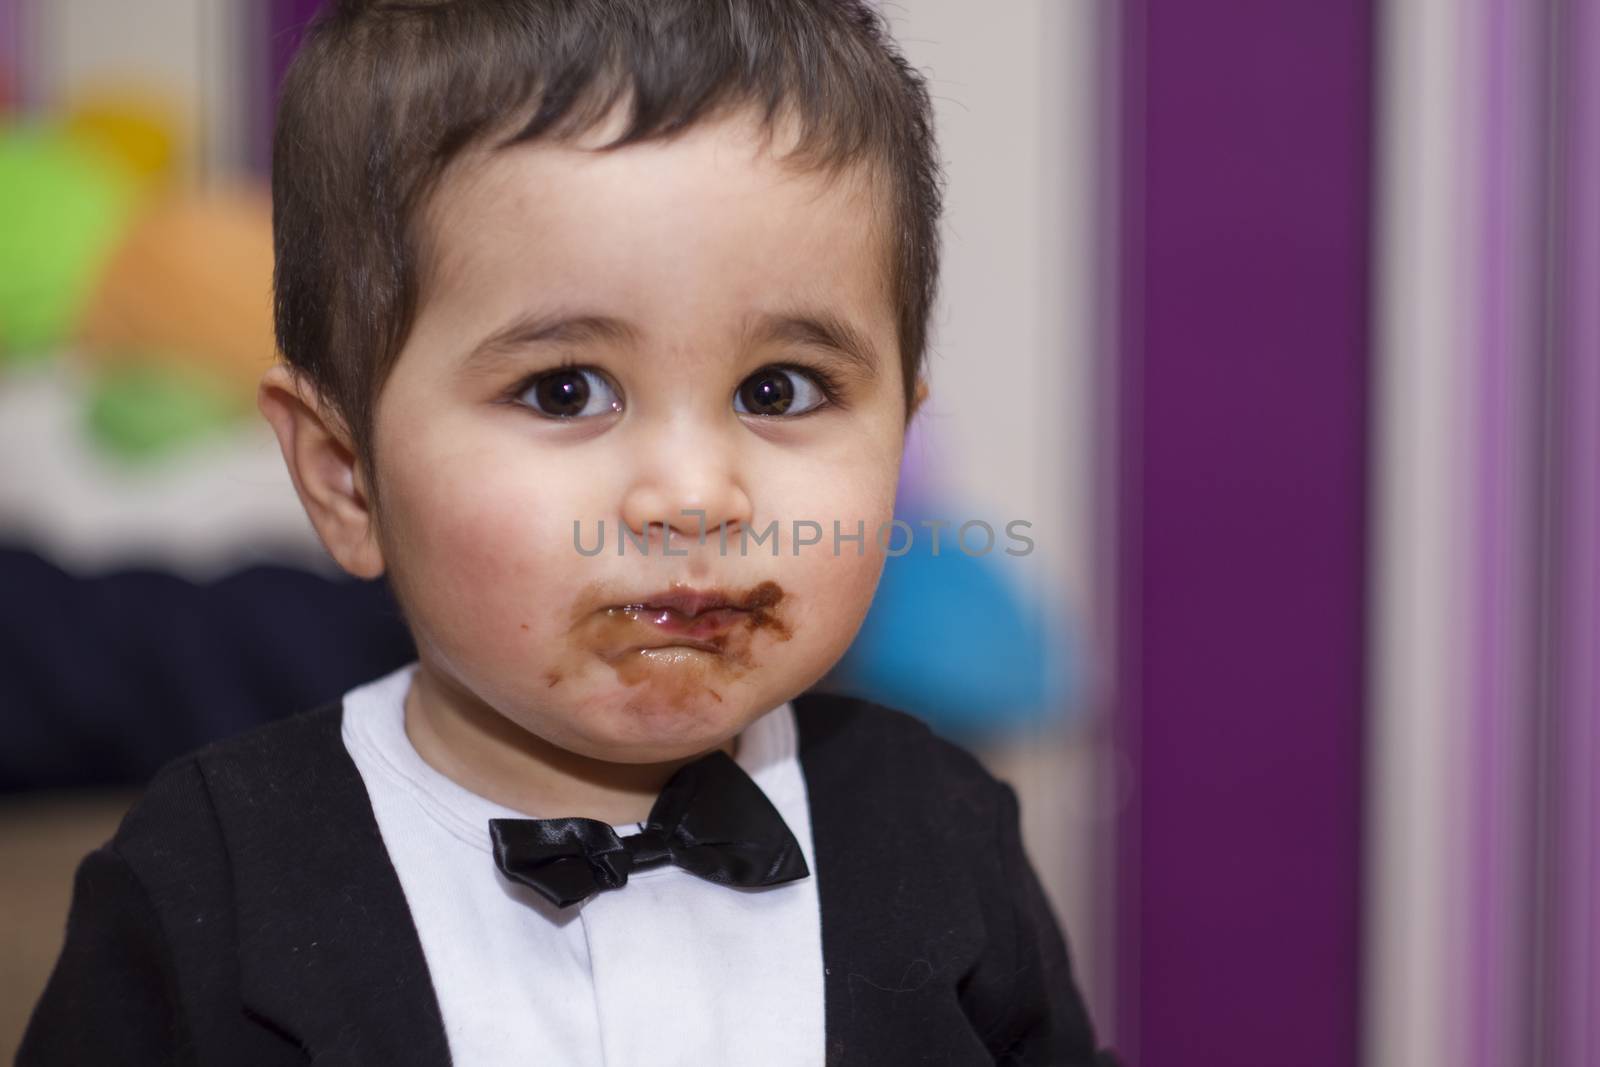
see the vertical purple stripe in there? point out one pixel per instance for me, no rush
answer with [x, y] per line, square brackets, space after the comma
[10, 53]
[1577, 857]
[20, 52]
[1510, 284]
[288, 20]
[281, 24]
[1128, 196]
[1244, 597]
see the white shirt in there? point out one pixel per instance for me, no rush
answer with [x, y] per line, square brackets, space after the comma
[669, 969]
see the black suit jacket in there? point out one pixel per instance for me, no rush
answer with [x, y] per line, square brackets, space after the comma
[246, 913]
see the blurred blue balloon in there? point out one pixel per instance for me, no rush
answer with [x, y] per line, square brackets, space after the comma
[948, 640]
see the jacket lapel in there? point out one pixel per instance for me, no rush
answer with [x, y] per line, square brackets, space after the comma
[897, 914]
[329, 954]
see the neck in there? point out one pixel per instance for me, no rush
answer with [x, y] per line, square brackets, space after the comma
[483, 751]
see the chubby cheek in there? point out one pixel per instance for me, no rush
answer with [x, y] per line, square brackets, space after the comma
[478, 562]
[835, 581]
[836, 593]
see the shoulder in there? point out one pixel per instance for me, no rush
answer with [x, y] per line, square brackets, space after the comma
[177, 813]
[161, 899]
[874, 753]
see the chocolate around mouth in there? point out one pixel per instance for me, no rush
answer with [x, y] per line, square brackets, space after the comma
[690, 604]
[671, 620]
[639, 652]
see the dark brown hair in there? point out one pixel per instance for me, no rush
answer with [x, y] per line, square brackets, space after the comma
[384, 94]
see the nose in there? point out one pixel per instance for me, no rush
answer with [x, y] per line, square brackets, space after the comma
[689, 481]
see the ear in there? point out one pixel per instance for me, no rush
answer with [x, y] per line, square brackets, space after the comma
[322, 462]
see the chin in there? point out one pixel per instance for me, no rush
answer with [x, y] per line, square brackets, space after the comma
[638, 749]
[638, 729]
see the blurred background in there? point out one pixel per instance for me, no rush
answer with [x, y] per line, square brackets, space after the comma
[1280, 323]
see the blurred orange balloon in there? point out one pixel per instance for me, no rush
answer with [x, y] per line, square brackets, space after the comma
[190, 286]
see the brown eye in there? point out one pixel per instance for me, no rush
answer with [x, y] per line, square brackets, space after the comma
[777, 391]
[571, 393]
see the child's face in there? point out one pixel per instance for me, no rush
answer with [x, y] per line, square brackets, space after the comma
[677, 275]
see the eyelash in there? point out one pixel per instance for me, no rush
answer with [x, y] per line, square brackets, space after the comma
[514, 394]
[830, 385]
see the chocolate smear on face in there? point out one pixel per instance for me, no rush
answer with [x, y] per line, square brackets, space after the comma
[678, 671]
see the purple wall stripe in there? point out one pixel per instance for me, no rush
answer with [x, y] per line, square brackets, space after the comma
[10, 52]
[1503, 685]
[1127, 198]
[1244, 528]
[19, 64]
[283, 21]
[1576, 861]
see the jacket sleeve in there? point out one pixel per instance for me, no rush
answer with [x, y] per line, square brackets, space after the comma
[112, 995]
[1040, 1013]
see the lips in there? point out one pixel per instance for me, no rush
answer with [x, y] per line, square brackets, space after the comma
[696, 616]
[686, 602]
[681, 630]
[701, 627]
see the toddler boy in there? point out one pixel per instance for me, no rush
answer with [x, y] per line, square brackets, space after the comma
[652, 275]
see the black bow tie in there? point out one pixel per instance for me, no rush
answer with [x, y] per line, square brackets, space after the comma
[710, 819]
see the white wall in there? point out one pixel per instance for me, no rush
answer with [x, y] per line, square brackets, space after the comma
[191, 49]
[1010, 424]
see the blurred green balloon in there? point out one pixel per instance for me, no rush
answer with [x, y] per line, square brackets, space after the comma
[64, 205]
[141, 412]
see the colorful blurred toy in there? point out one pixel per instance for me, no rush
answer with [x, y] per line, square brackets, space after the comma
[162, 293]
[64, 206]
[953, 637]
[191, 284]
[947, 637]
[136, 126]
[140, 411]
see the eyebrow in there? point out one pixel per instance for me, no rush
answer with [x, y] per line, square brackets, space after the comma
[817, 329]
[549, 327]
[811, 328]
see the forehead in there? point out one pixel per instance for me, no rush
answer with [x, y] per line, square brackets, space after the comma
[707, 226]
